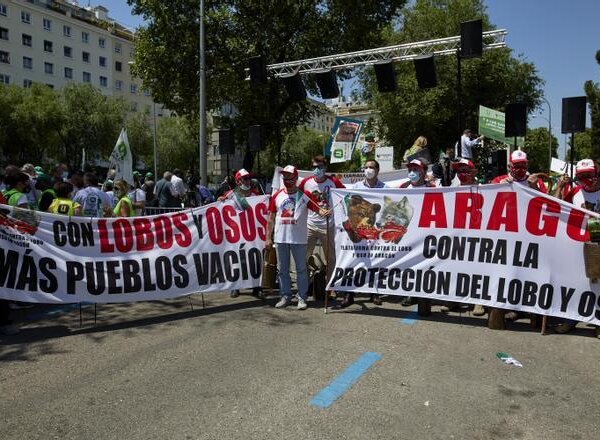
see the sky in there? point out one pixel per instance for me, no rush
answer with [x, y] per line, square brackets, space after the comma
[560, 37]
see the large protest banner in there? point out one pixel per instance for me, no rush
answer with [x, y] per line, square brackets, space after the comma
[51, 259]
[504, 246]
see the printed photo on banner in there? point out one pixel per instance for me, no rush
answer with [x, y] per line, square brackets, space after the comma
[502, 246]
[344, 135]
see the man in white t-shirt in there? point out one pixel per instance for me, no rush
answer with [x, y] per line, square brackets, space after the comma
[467, 144]
[138, 199]
[287, 231]
[319, 186]
[178, 183]
[94, 202]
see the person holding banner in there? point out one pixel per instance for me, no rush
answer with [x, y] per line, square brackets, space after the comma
[63, 204]
[518, 173]
[287, 231]
[416, 175]
[124, 206]
[371, 180]
[242, 190]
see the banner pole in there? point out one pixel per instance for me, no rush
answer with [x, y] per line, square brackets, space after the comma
[326, 263]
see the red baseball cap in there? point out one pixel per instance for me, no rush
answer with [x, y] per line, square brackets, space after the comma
[456, 165]
[585, 166]
[291, 169]
[416, 163]
[241, 174]
[518, 156]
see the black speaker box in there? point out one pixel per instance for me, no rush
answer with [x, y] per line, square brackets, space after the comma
[471, 39]
[255, 138]
[573, 114]
[226, 141]
[386, 76]
[327, 83]
[258, 70]
[294, 86]
[425, 71]
[515, 123]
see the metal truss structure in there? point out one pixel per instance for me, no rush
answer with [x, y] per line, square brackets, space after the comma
[402, 52]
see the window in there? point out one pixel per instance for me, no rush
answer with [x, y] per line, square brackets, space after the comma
[4, 79]
[117, 47]
[86, 57]
[26, 17]
[47, 46]
[4, 57]
[3, 33]
[47, 24]
[134, 106]
[26, 40]
[66, 31]
[51, 86]
[85, 37]
[87, 77]
[118, 84]
[103, 81]
[27, 63]
[68, 52]
[68, 73]
[146, 92]
[102, 61]
[102, 42]
[27, 83]
[49, 68]
[3, 10]
[118, 66]
[133, 89]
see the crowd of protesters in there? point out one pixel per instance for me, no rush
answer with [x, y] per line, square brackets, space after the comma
[299, 211]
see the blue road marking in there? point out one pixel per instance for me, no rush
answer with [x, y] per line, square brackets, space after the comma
[413, 317]
[344, 381]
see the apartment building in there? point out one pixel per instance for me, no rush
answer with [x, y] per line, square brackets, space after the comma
[57, 42]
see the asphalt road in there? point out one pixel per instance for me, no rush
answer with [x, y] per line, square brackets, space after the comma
[240, 369]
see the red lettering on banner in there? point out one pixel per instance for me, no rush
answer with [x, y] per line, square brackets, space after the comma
[248, 225]
[143, 234]
[163, 231]
[261, 215]
[185, 238]
[504, 212]
[433, 211]
[214, 225]
[538, 223]
[232, 233]
[575, 228]
[105, 245]
[123, 235]
[468, 204]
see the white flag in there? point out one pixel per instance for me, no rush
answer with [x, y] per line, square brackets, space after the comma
[121, 162]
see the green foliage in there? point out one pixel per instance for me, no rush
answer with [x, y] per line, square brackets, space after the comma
[493, 81]
[592, 91]
[167, 55]
[536, 146]
[177, 144]
[584, 148]
[301, 145]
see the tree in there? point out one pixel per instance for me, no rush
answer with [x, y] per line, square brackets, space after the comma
[536, 147]
[592, 91]
[139, 133]
[167, 51]
[493, 81]
[177, 144]
[584, 148]
[301, 145]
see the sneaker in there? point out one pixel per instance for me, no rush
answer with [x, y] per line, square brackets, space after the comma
[450, 307]
[564, 327]
[478, 310]
[9, 330]
[234, 293]
[302, 304]
[283, 302]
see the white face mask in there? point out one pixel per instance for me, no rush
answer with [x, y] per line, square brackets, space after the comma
[65, 175]
[370, 173]
[244, 187]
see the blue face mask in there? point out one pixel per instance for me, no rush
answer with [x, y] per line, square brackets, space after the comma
[414, 176]
[319, 173]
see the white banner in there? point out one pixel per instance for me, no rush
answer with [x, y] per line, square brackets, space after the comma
[121, 161]
[345, 136]
[385, 157]
[391, 178]
[52, 259]
[503, 246]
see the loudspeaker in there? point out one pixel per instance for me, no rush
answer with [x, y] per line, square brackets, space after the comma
[226, 141]
[573, 114]
[496, 164]
[425, 71]
[255, 138]
[471, 39]
[515, 123]
[386, 76]
[294, 86]
[327, 83]
[258, 70]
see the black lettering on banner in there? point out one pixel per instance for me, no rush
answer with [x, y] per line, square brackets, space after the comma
[164, 274]
[201, 264]
[337, 275]
[485, 250]
[50, 284]
[462, 285]
[347, 280]
[8, 268]
[255, 262]
[229, 259]
[28, 274]
[514, 291]
[393, 281]
[529, 290]
[565, 296]
[59, 228]
[360, 277]
[198, 222]
[94, 274]
[429, 281]
[243, 262]
[132, 282]
[183, 278]
[443, 283]
[597, 314]
[382, 278]
[545, 297]
[587, 303]
[372, 271]
[500, 252]
[75, 272]
[429, 246]
[500, 294]
[147, 271]
[216, 269]
[407, 280]
[113, 277]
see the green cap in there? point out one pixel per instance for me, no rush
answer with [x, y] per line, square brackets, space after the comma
[149, 174]
[135, 173]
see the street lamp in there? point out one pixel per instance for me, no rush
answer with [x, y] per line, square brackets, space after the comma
[202, 100]
[549, 133]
